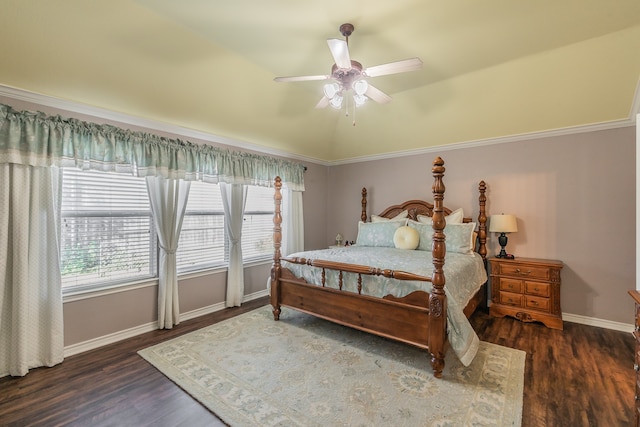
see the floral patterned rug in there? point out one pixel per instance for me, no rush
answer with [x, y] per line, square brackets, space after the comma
[303, 371]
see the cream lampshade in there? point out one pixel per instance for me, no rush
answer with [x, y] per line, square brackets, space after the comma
[503, 224]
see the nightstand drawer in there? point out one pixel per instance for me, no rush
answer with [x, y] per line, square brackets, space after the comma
[527, 289]
[537, 288]
[530, 272]
[508, 298]
[510, 285]
[537, 303]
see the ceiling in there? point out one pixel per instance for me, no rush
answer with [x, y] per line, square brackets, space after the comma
[492, 68]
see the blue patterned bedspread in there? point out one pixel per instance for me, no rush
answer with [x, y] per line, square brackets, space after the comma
[464, 275]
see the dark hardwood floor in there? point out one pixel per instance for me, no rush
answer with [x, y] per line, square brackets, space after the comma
[582, 376]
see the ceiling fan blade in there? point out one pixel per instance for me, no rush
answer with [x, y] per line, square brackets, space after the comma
[340, 51]
[300, 78]
[403, 66]
[377, 95]
[323, 103]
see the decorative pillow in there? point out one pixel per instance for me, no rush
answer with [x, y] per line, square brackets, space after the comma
[425, 235]
[455, 217]
[402, 215]
[459, 237]
[406, 237]
[378, 234]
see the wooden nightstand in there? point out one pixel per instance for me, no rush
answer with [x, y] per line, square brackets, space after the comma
[527, 289]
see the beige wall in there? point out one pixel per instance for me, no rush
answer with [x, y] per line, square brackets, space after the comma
[574, 197]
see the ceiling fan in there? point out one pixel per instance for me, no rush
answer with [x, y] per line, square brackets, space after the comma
[349, 75]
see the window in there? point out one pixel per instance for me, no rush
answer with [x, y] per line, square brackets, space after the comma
[202, 238]
[203, 242]
[108, 235]
[107, 231]
[257, 228]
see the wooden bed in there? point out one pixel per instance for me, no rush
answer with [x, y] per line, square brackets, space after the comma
[419, 319]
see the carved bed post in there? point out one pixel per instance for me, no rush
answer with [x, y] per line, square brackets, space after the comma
[437, 298]
[363, 216]
[277, 239]
[482, 221]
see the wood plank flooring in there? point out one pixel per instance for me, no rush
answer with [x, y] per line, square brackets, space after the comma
[582, 376]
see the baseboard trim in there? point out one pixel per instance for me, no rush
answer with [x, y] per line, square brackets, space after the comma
[94, 343]
[600, 323]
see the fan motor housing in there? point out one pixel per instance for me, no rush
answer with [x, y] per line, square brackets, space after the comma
[347, 76]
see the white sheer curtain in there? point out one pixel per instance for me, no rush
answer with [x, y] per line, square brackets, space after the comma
[168, 198]
[234, 197]
[31, 326]
[292, 222]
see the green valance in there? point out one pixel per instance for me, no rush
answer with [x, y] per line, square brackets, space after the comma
[33, 138]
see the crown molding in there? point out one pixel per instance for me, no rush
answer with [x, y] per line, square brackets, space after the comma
[492, 141]
[76, 107]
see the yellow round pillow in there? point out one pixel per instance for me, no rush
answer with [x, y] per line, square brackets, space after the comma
[406, 237]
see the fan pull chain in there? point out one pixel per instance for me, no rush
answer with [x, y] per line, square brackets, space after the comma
[354, 113]
[346, 104]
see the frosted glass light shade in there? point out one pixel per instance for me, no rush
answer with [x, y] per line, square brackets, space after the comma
[336, 102]
[331, 89]
[359, 99]
[360, 87]
[503, 224]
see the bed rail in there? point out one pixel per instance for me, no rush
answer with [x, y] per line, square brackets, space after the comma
[355, 268]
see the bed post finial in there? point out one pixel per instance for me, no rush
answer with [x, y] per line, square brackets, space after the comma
[277, 239]
[437, 298]
[482, 221]
[363, 215]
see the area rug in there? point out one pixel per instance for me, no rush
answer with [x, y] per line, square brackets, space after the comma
[303, 371]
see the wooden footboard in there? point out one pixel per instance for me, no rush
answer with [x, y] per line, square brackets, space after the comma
[391, 319]
[418, 319]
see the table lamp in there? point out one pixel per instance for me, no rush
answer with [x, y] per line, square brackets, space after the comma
[503, 224]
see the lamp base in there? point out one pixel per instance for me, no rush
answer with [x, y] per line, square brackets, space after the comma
[502, 240]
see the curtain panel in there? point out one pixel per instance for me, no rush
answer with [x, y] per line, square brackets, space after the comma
[35, 139]
[31, 325]
[168, 198]
[234, 199]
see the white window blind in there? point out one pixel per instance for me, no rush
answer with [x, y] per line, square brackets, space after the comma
[257, 228]
[108, 236]
[107, 233]
[202, 239]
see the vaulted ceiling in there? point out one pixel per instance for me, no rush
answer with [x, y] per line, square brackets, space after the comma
[492, 68]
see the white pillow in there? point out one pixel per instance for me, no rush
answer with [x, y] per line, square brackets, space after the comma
[455, 217]
[402, 215]
[378, 234]
[460, 237]
[425, 234]
[406, 237]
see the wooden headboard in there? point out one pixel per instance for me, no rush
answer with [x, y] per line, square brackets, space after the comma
[421, 207]
[414, 207]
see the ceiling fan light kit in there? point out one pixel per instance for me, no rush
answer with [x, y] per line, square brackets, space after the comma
[349, 77]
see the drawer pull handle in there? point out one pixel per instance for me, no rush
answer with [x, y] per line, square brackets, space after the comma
[522, 272]
[636, 367]
[534, 302]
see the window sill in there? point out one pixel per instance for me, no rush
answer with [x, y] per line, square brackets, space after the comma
[70, 295]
